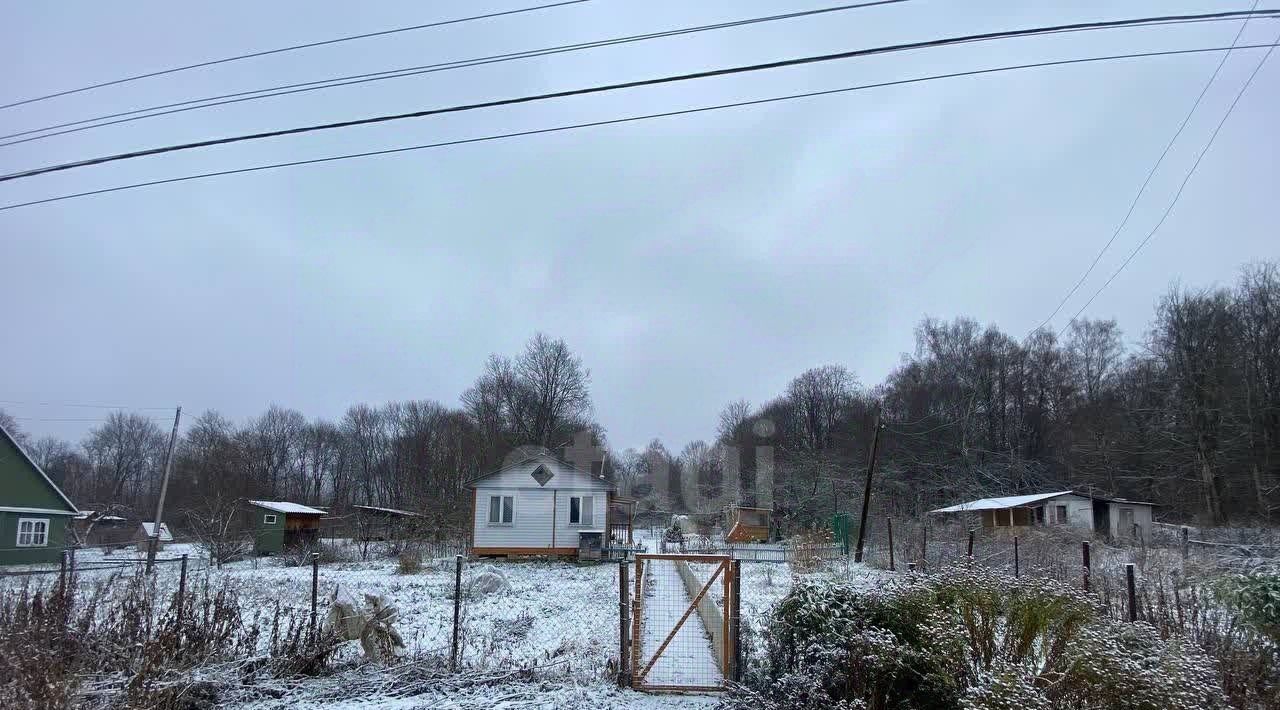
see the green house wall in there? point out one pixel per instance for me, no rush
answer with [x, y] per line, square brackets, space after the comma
[23, 486]
[11, 554]
[267, 537]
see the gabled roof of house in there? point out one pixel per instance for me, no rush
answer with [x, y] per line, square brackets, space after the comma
[71, 507]
[284, 506]
[149, 529]
[540, 455]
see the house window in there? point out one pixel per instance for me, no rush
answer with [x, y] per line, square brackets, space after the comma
[1062, 514]
[268, 520]
[33, 532]
[581, 510]
[501, 509]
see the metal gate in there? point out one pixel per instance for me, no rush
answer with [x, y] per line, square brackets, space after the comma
[683, 622]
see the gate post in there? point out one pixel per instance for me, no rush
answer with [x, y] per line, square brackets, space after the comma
[624, 644]
[735, 622]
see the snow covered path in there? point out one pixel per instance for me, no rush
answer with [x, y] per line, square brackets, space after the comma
[689, 659]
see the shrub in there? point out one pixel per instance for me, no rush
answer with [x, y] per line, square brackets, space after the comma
[1255, 596]
[967, 639]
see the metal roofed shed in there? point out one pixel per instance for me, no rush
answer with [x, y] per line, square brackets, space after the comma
[279, 525]
[1108, 517]
[378, 524]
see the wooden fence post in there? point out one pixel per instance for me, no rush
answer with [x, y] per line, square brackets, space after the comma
[1017, 572]
[969, 554]
[62, 577]
[457, 612]
[889, 526]
[1133, 592]
[1186, 542]
[624, 624]
[735, 616]
[1084, 552]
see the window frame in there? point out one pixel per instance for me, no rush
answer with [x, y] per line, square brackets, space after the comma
[31, 540]
[580, 500]
[269, 519]
[506, 510]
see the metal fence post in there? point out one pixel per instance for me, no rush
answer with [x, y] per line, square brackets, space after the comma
[62, 577]
[1133, 592]
[924, 547]
[457, 612]
[889, 526]
[1084, 552]
[315, 590]
[624, 624]
[1016, 570]
[182, 585]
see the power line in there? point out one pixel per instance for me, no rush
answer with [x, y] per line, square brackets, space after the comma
[1150, 174]
[742, 69]
[291, 48]
[629, 119]
[75, 404]
[1181, 187]
[334, 82]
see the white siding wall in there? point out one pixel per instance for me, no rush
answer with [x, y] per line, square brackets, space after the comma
[566, 534]
[536, 506]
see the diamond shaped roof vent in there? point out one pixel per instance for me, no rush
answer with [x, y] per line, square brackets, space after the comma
[541, 474]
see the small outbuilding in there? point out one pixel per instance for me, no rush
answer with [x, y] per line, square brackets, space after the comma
[544, 506]
[145, 531]
[99, 528]
[1108, 517]
[377, 524]
[34, 512]
[279, 525]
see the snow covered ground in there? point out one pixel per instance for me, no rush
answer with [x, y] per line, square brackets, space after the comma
[552, 625]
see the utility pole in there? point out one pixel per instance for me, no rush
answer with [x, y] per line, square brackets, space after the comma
[164, 488]
[866, 492]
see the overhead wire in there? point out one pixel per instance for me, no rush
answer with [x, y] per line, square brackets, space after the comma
[727, 71]
[281, 50]
[1183, 186]
[352, 79]
[628, 119]
[1150, 174]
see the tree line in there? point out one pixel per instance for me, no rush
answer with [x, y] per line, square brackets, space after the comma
[1186, 416]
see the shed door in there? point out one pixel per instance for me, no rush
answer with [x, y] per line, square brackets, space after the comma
[1126, 521]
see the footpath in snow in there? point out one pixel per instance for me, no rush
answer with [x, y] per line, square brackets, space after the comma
[689, 659]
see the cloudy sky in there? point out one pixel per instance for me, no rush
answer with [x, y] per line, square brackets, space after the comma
[689, 261]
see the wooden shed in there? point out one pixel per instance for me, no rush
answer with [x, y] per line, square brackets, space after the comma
[377, 524]
[279, 525]
[143, 533]
[1114, 518]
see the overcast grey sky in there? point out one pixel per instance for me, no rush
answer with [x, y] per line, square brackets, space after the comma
[689, 261]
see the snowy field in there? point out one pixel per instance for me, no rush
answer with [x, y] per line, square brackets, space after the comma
[552, 625]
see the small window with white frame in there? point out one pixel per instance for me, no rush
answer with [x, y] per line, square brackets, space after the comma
[33, 532]
[501, 510]
[269, 519]
[581, 510]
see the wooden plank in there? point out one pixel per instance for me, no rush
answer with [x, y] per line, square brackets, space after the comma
[685, 558]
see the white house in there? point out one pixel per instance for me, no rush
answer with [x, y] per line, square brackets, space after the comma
[1109, 517]
[539, 506]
